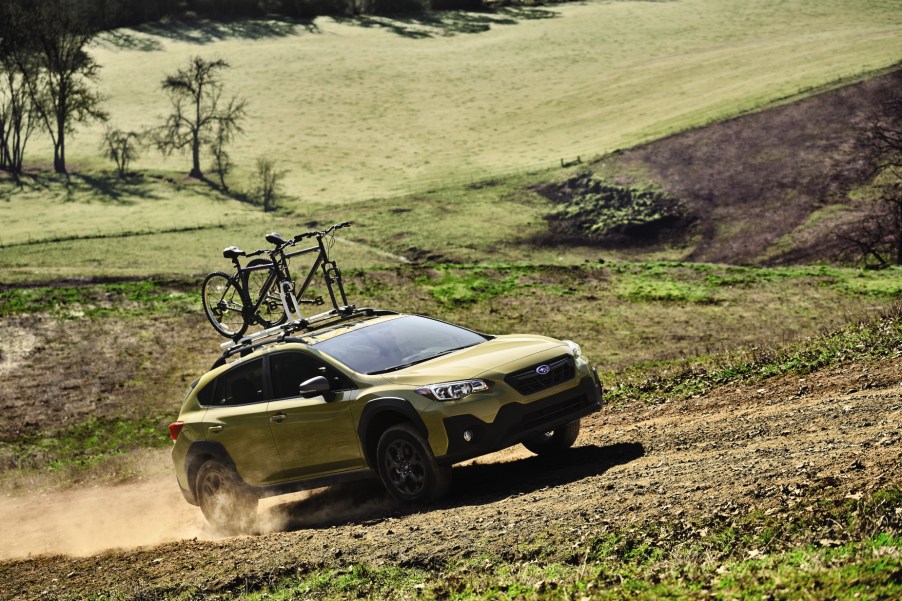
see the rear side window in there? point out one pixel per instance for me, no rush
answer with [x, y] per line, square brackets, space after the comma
[240, 386]
[289, 370]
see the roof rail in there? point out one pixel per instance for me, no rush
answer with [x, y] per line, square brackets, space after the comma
[279, 333]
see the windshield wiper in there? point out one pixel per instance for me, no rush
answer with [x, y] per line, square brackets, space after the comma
[405, 365]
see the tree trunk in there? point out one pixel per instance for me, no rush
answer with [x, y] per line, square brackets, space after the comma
[195, 156]
[59, 145]
[59, 156]
[195, 137]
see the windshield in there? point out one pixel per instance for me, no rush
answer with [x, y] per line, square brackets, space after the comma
[397, 343]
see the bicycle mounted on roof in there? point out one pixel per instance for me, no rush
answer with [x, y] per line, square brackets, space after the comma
[263, 291]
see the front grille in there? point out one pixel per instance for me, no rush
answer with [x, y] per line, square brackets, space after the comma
[549, 414]
[528, 381]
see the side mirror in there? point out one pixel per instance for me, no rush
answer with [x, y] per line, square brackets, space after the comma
[318, 386]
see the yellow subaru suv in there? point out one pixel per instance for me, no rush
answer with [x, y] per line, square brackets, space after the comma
[371, 394]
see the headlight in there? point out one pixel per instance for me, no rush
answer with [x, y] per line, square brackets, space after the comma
[451, 391]
[577, 351]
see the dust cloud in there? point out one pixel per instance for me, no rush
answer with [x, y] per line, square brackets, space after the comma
[151, 511]
[86, 521]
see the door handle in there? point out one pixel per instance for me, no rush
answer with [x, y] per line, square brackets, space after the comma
[278, 418]
[215, 429]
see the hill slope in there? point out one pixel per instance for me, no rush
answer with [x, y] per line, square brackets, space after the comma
[767, 187]
[371, 107]
[792, 479]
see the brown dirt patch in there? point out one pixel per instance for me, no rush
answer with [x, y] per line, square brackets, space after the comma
[757, 178]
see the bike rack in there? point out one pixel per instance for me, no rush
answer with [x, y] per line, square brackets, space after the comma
[288, 293]
[291, 326]
[281, 333]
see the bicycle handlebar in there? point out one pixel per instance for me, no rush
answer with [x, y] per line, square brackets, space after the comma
[325, 232]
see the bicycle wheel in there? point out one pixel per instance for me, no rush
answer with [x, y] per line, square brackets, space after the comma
[222, 304]
[270, 312]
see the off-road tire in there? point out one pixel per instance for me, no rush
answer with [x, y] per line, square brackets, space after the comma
[407, 467]
[229, 505]
[270, 312]
[554, 441]
[223, 305]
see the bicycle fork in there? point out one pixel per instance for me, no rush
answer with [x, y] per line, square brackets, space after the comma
[332, 275]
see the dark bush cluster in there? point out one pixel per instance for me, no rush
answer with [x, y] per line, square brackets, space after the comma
[589, 209]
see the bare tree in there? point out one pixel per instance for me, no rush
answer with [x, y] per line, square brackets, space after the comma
[877, 236]
[199, 115]
[16, 118]
[225, 130]
[46, 40]
[121, 147]
[269, 183]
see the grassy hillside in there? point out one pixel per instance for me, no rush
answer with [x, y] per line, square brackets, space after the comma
[768, 187]
[368, 107]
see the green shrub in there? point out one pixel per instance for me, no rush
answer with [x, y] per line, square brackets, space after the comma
[591, 209]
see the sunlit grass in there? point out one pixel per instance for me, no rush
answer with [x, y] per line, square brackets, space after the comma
[364, 108]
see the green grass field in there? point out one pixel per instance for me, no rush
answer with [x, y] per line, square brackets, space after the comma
[370, 114]
[371, 107]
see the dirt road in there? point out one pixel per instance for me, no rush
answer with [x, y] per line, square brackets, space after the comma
[761, 447]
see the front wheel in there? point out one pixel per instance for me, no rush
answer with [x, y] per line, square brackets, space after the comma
[223, 305]
[554, 441]
[408, 468]
[229, 505]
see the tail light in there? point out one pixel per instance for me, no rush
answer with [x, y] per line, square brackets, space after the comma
[175, 429]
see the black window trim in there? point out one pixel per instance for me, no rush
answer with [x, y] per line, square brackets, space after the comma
[214, 383]
[268, 373]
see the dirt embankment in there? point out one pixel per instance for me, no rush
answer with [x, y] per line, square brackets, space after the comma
[755, 182]
[739, 449]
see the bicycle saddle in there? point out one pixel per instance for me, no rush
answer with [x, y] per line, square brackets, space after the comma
[232, 252]
[275, 238]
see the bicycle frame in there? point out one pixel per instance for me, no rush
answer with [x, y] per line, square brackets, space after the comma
[279, 278]
[278, 272]
[331, 273]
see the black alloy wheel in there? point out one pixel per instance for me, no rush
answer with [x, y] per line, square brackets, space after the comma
[407, 467]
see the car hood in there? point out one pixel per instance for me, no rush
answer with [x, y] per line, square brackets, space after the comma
[502, 353]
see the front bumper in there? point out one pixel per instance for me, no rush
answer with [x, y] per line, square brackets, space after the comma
[515, 421]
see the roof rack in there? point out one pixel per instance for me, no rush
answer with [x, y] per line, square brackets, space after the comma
[280, 333]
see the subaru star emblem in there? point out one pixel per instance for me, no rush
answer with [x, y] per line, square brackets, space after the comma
[542, 370]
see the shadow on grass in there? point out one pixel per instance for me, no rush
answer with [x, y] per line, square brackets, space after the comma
[217, 191]
[110, 188]
[447, 23]
[203, 31]
[147, 37]
[475, 484]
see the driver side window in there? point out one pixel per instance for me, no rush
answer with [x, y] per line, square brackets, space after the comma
[288, 370]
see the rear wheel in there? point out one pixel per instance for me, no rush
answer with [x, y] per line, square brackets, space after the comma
[553, 441]
[223, 305]
[407, 467]
[229, 505]
[270, 312]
